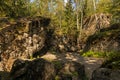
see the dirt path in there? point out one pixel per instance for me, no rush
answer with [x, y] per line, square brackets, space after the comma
[90, 63]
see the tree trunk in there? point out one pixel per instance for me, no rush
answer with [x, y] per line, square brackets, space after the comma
[81, 23]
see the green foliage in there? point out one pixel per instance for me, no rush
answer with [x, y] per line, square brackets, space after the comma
[14, 8]
[115, 11]
[94, 54]
[88, 8]
[57, 77]
[31, 57]
[113, 60]
[58, 64]
[68, 11]
[104, 6]
[68, 25]
[75, 73]
[110, 56]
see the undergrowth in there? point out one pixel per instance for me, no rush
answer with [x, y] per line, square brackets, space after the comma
[94, 54]
[112, 58]
[113, 61]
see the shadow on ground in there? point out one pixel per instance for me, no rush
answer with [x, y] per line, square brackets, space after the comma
[90, 63]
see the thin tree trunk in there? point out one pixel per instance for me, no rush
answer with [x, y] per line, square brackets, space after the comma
[77, 23]
[60, 21]
[94, 6]
[77, 14]
[81, 23]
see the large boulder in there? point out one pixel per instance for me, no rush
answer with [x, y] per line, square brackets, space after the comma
[94, 23]
[25, 38]
[38, 69]
[107, 40]
[71, 70]
[106, 74]
[64, 43]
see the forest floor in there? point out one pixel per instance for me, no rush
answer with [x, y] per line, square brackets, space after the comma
[90, 63]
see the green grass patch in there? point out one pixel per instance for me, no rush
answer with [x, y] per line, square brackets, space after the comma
[94, 54]
[107, 55]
